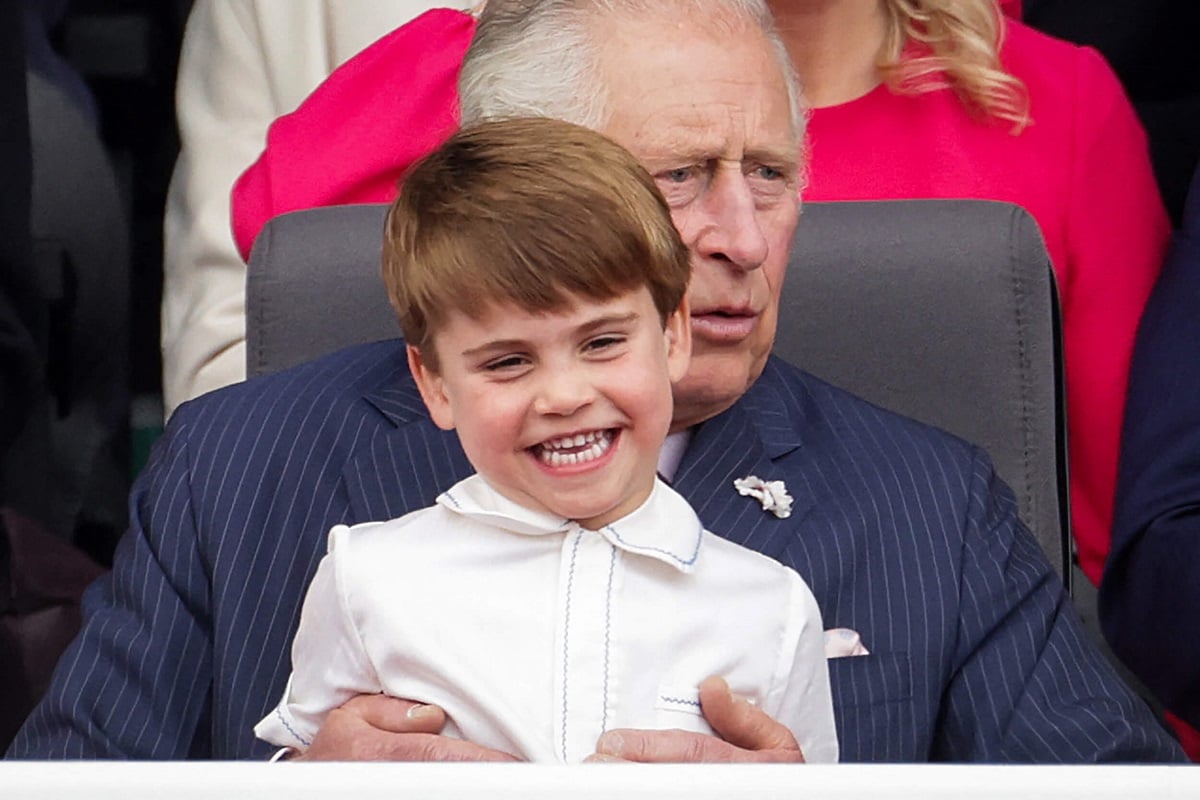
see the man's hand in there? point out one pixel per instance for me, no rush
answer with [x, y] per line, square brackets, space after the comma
[747, 735]
[382, 728]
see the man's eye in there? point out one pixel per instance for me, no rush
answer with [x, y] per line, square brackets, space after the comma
[769, 182]
[769, 173]
[678, 175]
[681, 185]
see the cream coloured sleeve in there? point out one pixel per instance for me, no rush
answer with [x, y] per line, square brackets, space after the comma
[243, 63]
[223, 106]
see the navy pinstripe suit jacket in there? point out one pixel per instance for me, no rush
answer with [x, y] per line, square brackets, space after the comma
[903, 532]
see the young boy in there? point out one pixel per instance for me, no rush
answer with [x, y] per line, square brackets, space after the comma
[563, 590]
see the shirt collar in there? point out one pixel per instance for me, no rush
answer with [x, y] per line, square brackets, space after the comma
[664, 527]
[672, 453]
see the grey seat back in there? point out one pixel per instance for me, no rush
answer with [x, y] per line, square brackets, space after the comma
[313, 286]
[942, 310]
[946, 311]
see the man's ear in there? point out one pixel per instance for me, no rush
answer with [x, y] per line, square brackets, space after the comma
[432, 388]
[678, 336]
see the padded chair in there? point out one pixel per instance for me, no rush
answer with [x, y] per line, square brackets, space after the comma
[946, 311]
[942, 310]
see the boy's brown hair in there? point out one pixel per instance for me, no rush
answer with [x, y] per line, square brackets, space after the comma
[529, 211]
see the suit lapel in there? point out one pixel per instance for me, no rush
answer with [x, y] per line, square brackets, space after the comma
[405, 463]
[746, 439]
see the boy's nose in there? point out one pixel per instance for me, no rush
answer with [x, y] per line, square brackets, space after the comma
[562, 393]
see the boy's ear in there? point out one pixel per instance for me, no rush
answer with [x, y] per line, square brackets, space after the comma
[432, 388]
[678, 335]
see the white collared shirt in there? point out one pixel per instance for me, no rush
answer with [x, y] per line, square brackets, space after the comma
[536, 635]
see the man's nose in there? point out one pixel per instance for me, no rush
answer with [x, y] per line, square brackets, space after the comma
[727, 225]
[563, 391]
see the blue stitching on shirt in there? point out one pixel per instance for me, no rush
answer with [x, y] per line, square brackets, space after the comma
[291, 730]
[566, 635]
[612, 568]
[452, 499]
[679, 701]
[688, 562]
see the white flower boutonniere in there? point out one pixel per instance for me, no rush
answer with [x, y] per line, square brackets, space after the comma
[772, 494]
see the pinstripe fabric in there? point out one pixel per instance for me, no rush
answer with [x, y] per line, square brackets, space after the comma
[902, 532]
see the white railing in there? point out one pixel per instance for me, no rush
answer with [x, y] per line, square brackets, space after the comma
[252, 781]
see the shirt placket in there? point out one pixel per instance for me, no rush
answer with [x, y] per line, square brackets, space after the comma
[585, 620]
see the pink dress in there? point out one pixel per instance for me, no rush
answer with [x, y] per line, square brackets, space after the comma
[1082, 169]
[352, 138]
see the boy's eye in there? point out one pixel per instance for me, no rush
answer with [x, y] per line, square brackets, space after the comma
[504, 363]
[605, 342]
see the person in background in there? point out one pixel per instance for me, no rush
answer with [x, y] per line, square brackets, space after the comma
[19, 369]
[903, 532]
[911, 99]
[1151, 44]
[39, 20]
[1150, 594]
[243, 63]
[947, 98]
[41, 575]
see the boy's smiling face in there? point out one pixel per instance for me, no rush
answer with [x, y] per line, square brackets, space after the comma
[564, 411]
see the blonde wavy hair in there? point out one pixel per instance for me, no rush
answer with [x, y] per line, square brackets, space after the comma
[934, 44]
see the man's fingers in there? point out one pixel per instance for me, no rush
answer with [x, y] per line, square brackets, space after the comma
[600, 758]
[432, 747]
[382, 728]
[738, 722]
[748, 734]
[374, 745]
[661, 747]
[676, 747]
[393, 714]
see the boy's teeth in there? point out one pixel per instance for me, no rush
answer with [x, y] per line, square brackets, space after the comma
[594, 444]
[578, 440]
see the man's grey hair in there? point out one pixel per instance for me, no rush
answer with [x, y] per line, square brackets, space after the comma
[542, 57]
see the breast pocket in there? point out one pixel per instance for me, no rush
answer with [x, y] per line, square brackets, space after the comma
[872, 706]
[678, 707]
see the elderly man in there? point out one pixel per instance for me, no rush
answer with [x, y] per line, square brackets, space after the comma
[904, 533]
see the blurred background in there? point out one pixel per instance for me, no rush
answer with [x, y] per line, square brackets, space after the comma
[110, 65]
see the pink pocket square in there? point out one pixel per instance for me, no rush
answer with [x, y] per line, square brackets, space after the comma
[841, 642]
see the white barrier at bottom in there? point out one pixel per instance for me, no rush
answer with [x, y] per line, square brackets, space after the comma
[68, 780]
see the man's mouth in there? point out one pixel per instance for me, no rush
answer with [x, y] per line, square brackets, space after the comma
[578, 448]
[724, 324]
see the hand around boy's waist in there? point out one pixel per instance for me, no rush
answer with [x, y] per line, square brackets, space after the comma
[747, 733]
[381, 728]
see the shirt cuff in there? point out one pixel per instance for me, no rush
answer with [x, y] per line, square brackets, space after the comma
[284, 754]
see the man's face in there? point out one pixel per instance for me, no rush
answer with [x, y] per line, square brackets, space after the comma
[707, 114]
